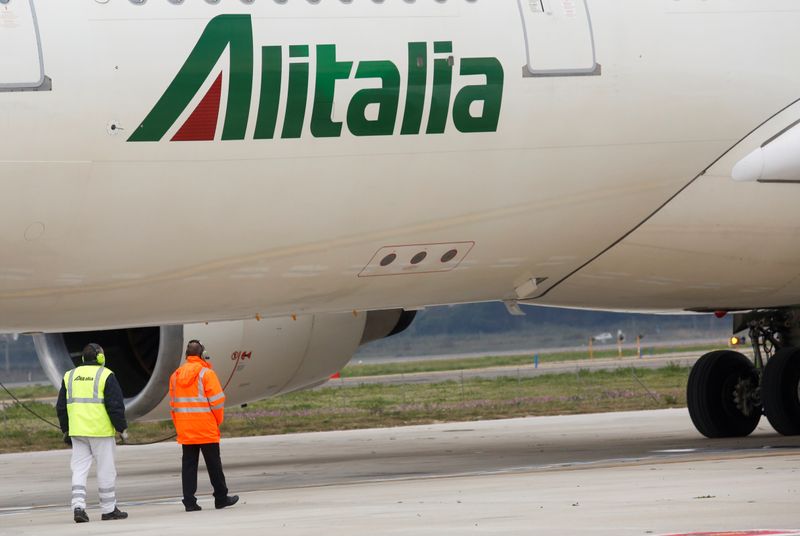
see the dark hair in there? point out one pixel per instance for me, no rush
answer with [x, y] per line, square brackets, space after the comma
[90, 353]
[195, 347]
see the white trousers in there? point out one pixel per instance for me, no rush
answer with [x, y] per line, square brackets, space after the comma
[101, 449]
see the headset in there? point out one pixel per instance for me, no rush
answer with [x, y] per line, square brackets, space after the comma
[93, 352]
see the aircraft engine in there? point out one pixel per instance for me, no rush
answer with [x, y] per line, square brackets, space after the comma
[254, 359]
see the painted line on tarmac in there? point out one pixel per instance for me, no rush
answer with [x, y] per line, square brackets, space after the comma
[20, 510]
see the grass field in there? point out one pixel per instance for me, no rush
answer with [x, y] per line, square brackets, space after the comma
[366, 406]
[31, 391]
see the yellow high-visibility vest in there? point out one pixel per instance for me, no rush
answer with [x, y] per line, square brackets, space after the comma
[85, 401]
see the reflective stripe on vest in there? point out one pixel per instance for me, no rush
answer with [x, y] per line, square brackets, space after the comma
[86, 409]
[96, 398]
[199, 399]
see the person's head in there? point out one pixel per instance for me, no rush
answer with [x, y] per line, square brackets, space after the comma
[194, 347]
[93, 355]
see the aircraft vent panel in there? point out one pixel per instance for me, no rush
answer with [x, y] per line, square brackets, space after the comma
[417, 259]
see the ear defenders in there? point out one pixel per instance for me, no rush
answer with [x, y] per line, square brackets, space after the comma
[93, 353]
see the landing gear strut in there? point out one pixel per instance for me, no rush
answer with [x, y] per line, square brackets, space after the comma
[727, 393]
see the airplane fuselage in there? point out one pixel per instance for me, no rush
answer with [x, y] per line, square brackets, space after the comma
[200, 162]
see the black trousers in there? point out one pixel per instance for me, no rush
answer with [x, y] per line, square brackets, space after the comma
[191, 456]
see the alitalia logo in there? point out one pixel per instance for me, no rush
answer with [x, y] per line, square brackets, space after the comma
[286, 82]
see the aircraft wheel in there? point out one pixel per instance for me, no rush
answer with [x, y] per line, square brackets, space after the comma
[719, 395]
[780, 391]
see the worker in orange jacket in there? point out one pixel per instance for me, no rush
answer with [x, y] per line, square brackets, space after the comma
[197, 406]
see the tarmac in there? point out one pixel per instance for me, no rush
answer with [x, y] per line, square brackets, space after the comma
[604, 474]
[681, 359]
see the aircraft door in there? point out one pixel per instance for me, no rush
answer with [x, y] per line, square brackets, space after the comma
[20, 51]
[558, 37]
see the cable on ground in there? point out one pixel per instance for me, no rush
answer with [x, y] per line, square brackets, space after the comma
[18, 401]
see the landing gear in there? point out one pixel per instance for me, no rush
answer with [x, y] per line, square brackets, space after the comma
[781, 391]
[727, 393]
[722, 395]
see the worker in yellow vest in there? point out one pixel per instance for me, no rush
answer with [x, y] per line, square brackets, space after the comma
[90, 409]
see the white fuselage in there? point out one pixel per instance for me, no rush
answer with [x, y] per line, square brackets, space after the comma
[609, 186]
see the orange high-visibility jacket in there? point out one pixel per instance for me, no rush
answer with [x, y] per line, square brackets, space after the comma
[197, 402]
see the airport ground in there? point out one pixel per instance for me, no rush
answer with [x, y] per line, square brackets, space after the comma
[562, 382]
[528, 369]
[646, 348]
[396, 400]
[630, 473]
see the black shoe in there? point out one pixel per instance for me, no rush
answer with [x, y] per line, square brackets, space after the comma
[230, 500]
[193, 508]
[80, 515]
[116, 514]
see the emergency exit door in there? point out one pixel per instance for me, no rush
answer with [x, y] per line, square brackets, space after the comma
[558, 38]
[20, 52]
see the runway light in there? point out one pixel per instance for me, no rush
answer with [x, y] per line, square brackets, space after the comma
[738, 341]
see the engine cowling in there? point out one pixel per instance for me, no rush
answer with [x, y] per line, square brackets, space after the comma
[254, 359]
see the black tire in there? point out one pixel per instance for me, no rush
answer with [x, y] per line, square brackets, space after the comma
[779, 391]
[710, 395]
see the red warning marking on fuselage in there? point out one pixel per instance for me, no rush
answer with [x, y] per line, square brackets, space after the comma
[241, 355]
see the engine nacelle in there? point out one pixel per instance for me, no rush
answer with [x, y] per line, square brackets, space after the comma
[254, 359]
